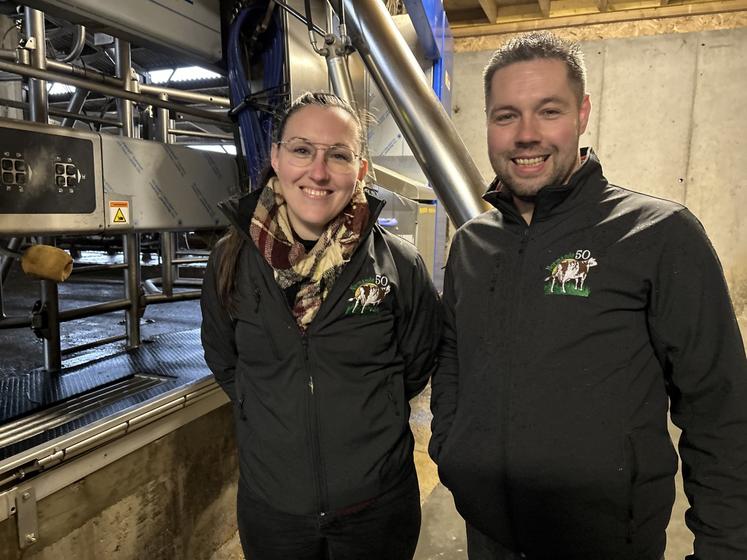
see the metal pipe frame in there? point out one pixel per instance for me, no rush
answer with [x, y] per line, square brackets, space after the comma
[97, 268]
[38, 112]
[75, 106]
[131, 240]
[111, 90]
[65, 114]
[95, 309]
[195, 260]
[123, 54]
[94, 344]
[420, 116]
[200, 134]
[33, 21]
[21, 322]
[177, 296]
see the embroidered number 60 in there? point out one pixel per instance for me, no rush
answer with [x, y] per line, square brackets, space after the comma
[583, 254]
[382, 280]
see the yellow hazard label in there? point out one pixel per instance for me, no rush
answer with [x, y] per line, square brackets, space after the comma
[119, 212]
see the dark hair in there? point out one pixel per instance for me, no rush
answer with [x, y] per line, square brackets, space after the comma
[539, 45]
[317, 99]
[233, 241]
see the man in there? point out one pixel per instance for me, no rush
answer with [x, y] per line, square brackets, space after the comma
[577, 312]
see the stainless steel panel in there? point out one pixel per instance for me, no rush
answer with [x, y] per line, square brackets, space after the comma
[187, 29]
[166, 187]
[307, 70]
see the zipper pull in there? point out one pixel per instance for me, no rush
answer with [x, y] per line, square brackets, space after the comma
[524, 240]
[311, 384]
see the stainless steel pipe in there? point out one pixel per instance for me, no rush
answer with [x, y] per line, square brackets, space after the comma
[420, 116]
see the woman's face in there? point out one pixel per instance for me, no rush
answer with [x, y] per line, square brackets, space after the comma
[314, 190]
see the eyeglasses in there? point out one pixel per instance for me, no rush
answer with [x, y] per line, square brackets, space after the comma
[337, 157]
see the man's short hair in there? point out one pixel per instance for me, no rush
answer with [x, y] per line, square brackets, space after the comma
[539, 45]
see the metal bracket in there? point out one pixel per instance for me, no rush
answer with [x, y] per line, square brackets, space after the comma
[40, 320]
[29, 44]
[28, 521]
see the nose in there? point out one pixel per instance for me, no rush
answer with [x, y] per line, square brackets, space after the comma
[318, 170]
[528, 131]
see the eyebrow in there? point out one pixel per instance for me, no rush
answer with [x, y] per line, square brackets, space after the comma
[336, 145]
[543, 101]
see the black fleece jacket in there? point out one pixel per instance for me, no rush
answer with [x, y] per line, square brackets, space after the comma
[322, 418]
[565, 343]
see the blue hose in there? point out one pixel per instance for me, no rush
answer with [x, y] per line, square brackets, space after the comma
[254, 126]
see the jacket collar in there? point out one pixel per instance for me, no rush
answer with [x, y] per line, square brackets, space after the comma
[552, 199]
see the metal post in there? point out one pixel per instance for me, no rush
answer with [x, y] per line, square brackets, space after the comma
[167, 238]
[5, 264]
[75, 105]
[130, 241]
[124, 68]
[38, 112]
[33, 21]
[420, 116]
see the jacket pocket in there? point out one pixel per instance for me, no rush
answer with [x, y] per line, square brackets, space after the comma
[253, 330]
[265, 326]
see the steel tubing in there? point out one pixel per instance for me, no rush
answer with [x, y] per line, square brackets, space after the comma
[420, 116]
[106, 88]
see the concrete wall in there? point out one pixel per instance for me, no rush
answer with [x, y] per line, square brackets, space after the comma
[174, 498]
[668, 118]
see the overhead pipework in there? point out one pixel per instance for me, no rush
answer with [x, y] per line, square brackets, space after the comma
[420, 116]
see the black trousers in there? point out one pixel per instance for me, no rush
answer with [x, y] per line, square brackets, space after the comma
[482, 547]
[387, 527]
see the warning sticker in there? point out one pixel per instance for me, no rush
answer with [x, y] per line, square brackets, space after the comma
[119, 212]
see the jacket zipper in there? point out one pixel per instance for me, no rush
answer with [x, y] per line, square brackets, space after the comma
[313, 428]
[513, 314]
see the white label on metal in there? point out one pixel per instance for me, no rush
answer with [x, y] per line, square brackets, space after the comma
[119, 212]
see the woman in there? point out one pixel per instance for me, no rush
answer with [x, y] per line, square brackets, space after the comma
[320, 326]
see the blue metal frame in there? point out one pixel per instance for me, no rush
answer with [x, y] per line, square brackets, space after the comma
[433, 31]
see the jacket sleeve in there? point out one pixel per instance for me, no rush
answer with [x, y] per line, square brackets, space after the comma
[445, 382]
[217, 332]
[697, 339]
[418, 327]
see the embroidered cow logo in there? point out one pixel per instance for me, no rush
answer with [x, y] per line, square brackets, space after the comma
[368, 295]
[568, 274]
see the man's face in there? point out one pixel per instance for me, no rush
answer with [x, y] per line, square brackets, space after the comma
[534, 123]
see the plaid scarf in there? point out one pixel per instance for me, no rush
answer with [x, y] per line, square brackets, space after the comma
[317, 270]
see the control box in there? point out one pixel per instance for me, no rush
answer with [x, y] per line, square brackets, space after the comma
[50, 179]
[56, 180]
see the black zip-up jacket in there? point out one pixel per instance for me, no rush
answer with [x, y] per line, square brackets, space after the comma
[564, 344]
[322, 418]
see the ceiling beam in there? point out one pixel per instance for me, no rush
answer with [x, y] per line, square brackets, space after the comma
[491, 10]
[544, 7]
[614, 16]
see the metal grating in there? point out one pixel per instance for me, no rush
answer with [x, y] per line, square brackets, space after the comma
[174, 360]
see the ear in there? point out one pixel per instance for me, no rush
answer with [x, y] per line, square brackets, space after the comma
[363, 169]
[274, 158]
[583, 114]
